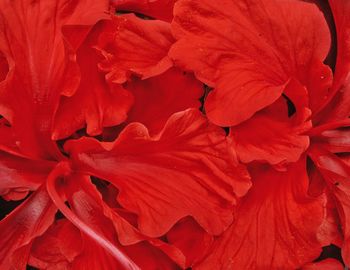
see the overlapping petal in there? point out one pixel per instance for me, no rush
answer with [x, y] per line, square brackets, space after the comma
[135, 46]
[156, 99]
[180, 172]
[336, 172]
[88, 208]
[41, 66]
[248, 58]
[96, 103]
[276, 224]
[277, 137]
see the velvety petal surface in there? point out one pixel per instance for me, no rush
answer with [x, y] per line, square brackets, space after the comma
[179, 172]
[248, 50]
[275, 225]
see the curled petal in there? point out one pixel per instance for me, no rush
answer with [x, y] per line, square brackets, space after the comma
[179, 172]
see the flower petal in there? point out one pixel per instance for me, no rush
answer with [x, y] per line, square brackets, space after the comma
[248, 50]
[95, 103]
[180, 172]
[41, 66]
[336, 172]
[135, 46]
[29, 220]
[270, 135]
[156, 99]
[158, 9]
[339, 98]
[276, 224]
[17, 173]
[191, 239]
[341, 15]
[57, 247]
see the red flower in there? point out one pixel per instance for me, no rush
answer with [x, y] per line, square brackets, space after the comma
[264, 60]
[116, 152]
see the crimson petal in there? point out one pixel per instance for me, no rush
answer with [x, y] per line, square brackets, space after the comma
[95, 103]
[276, 224]
[157, 98]
[248, 50]
[41, 66]
[134, 46]
[179, 172]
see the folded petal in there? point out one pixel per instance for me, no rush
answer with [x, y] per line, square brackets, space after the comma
[135, 46]
[179, 172]
[156, 99]
[158, 9]
[41, 66]
[275, 225]
[29, 220]
[248, 50]
[271, 135]
[96, 103]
